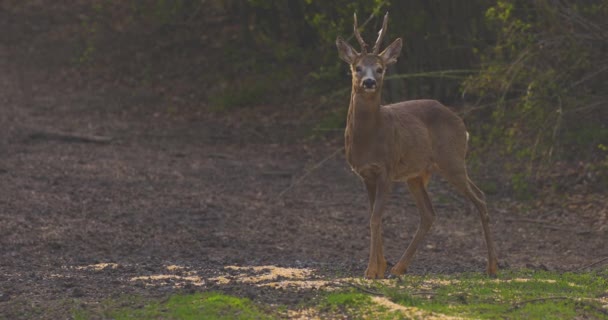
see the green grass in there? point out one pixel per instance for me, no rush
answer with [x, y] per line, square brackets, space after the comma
[193, 306]
[342, 302]
[522, 294]
[514, 295]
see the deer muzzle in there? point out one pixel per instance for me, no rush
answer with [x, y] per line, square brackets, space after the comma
[369, 84]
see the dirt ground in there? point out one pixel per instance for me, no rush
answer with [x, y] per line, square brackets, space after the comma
[93, 172]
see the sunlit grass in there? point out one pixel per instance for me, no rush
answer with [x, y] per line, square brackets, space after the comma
[522, 294]
[514, 295]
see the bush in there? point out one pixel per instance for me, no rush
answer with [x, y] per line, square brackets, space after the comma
[545, 82]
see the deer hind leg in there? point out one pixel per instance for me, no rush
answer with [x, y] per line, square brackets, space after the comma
[377, 192]
[464, 184]
[417, 188]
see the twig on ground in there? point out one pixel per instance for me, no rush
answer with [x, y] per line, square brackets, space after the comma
[277, 173]
[419, 293]
[591, 264]
[325, 203]
[68, 137]
[311, 170]
[220, 156]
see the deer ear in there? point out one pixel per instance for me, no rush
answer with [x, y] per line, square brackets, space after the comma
[391, 53]
[346, 52]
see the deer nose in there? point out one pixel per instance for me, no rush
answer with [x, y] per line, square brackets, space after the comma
[369, 83]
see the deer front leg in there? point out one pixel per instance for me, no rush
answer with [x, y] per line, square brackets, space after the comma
[377, 191]
[417, 187]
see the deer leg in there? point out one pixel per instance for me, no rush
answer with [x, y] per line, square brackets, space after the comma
[426, 177]
[417, 188]
[480, 195]
[464, 184]
[370, 186]
[479, 200]
[377, 192]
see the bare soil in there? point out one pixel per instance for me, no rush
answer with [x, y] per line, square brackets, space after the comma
[93, 170]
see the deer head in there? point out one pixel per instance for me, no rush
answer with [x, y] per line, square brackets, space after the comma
[368, 69]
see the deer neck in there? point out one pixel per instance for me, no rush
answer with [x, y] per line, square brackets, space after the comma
[363, 115]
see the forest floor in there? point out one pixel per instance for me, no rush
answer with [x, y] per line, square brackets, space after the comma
[110, 190]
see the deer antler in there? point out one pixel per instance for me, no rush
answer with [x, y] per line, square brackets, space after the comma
[381, 34]
[359, 38]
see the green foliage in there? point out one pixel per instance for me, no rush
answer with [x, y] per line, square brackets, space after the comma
[545, 81]
[438, 36]
[304, 31]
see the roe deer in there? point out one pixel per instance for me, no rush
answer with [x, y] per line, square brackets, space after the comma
[405, 141]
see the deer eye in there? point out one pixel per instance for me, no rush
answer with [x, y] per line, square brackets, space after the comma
[379, 70]
[358, 69]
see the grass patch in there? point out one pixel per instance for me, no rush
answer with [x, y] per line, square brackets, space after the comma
[514, 295]
[351, 305]
[522, 294]
[194, 306]
[343, 300]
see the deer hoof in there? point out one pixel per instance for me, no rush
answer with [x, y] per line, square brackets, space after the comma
[397, 270]
[399, 278]
[373, 274]
[492, 270]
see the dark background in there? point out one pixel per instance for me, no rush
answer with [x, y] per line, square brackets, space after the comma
[529, 77]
